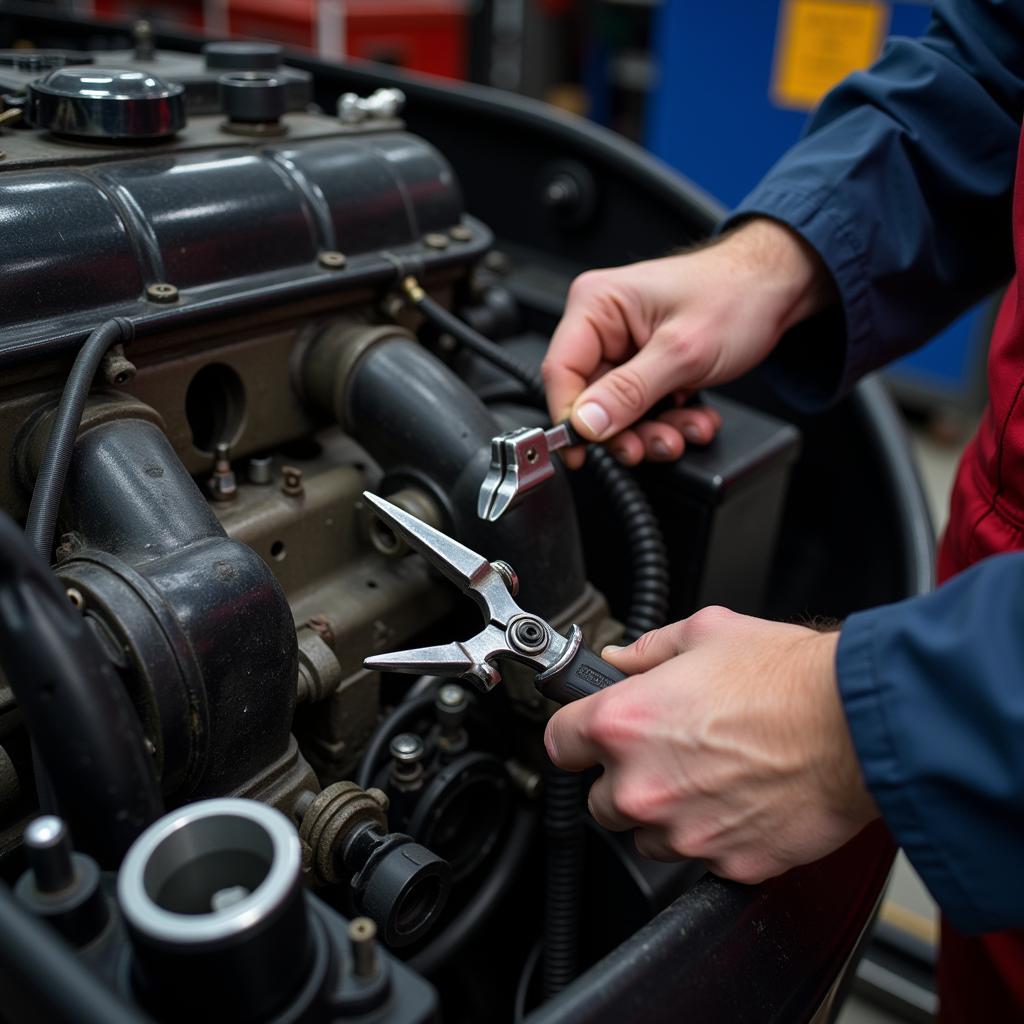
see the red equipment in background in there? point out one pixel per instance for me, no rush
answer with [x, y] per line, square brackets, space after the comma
[421, 35]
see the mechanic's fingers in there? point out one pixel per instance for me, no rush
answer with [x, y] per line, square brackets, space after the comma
[627, 447]
[567, 743]
[698, 424]
[602, 807]
[662, 441]
[620, 397]
[648, 651]
[652, 844]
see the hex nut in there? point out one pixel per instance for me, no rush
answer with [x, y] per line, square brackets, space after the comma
[332, 260]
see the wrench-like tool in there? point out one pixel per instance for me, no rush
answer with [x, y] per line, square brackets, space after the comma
[520, 461]
[566, 669]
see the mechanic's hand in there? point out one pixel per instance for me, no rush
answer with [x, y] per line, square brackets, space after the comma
[632, 335]
[729, 744]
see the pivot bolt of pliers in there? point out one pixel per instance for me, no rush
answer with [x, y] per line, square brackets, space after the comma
[528, 635]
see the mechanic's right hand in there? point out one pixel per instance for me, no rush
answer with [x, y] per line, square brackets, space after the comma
[630, 336]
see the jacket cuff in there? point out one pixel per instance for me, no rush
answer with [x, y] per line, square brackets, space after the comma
[869, 703]
[818, 361]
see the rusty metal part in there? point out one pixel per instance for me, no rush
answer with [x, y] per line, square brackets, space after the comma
[162, 291]
[331, 260]
[291, 481]
[334, 814]
[319, 670]
[116, 368]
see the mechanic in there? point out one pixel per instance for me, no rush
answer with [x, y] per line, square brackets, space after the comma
[759, 746]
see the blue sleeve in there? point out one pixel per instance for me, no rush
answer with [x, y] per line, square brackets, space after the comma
[933, 690]
[903, 184]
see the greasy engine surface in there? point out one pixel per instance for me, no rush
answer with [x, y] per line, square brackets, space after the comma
[210, 536]
[215, 580]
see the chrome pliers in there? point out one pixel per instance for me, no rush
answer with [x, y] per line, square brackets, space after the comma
[566, 669]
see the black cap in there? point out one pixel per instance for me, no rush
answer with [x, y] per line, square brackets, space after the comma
[253, 97]
[242, 56]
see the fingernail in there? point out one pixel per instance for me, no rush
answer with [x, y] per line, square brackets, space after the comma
[595, 418]
[610, 649]
[660, 450]
[693, 434]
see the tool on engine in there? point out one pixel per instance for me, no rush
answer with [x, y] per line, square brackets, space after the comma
[566, 668]
[520, 461]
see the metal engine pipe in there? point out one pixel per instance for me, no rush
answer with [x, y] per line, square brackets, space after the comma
[427, 429]
[212, 650]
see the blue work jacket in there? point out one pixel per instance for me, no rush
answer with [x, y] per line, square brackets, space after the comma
[903, 184]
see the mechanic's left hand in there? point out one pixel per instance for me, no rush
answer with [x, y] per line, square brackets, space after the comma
[728, 743]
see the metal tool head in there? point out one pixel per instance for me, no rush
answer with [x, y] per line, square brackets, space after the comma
[520, 461]
[488, 585]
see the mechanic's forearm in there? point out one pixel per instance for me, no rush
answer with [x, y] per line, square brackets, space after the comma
[791, 272]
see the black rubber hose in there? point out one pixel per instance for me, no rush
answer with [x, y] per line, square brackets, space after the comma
[392, 725]
[485, 899]
[53, 470]
[42, 979]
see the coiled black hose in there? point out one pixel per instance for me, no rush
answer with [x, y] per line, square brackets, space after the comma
[648, 608]
[53, 470]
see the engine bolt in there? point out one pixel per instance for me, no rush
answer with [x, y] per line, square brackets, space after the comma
[162, 292]
[260, 470]
[406, 751]
[292, 481]
[49, 853]
[508, 576]
[362, 934]
[435, 240]
[332, 260]
[461, 233]
[223, 485]
[451, 696]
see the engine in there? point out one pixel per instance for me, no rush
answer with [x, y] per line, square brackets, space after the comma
[207, 357]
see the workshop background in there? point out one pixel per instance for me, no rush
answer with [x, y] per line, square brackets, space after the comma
[718, 91]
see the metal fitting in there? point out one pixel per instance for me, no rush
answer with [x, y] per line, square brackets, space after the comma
[508, 575]
[406, 751]
[381, 105]
[260, 470]
[362, 934]
[116, 368]
[222, 484]
[162, 292]
[291, 482]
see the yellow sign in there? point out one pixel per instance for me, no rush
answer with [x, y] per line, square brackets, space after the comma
[820, 42]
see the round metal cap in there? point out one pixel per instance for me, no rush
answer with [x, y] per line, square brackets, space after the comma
[253, 97]
[98, 103]
[242, 56]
